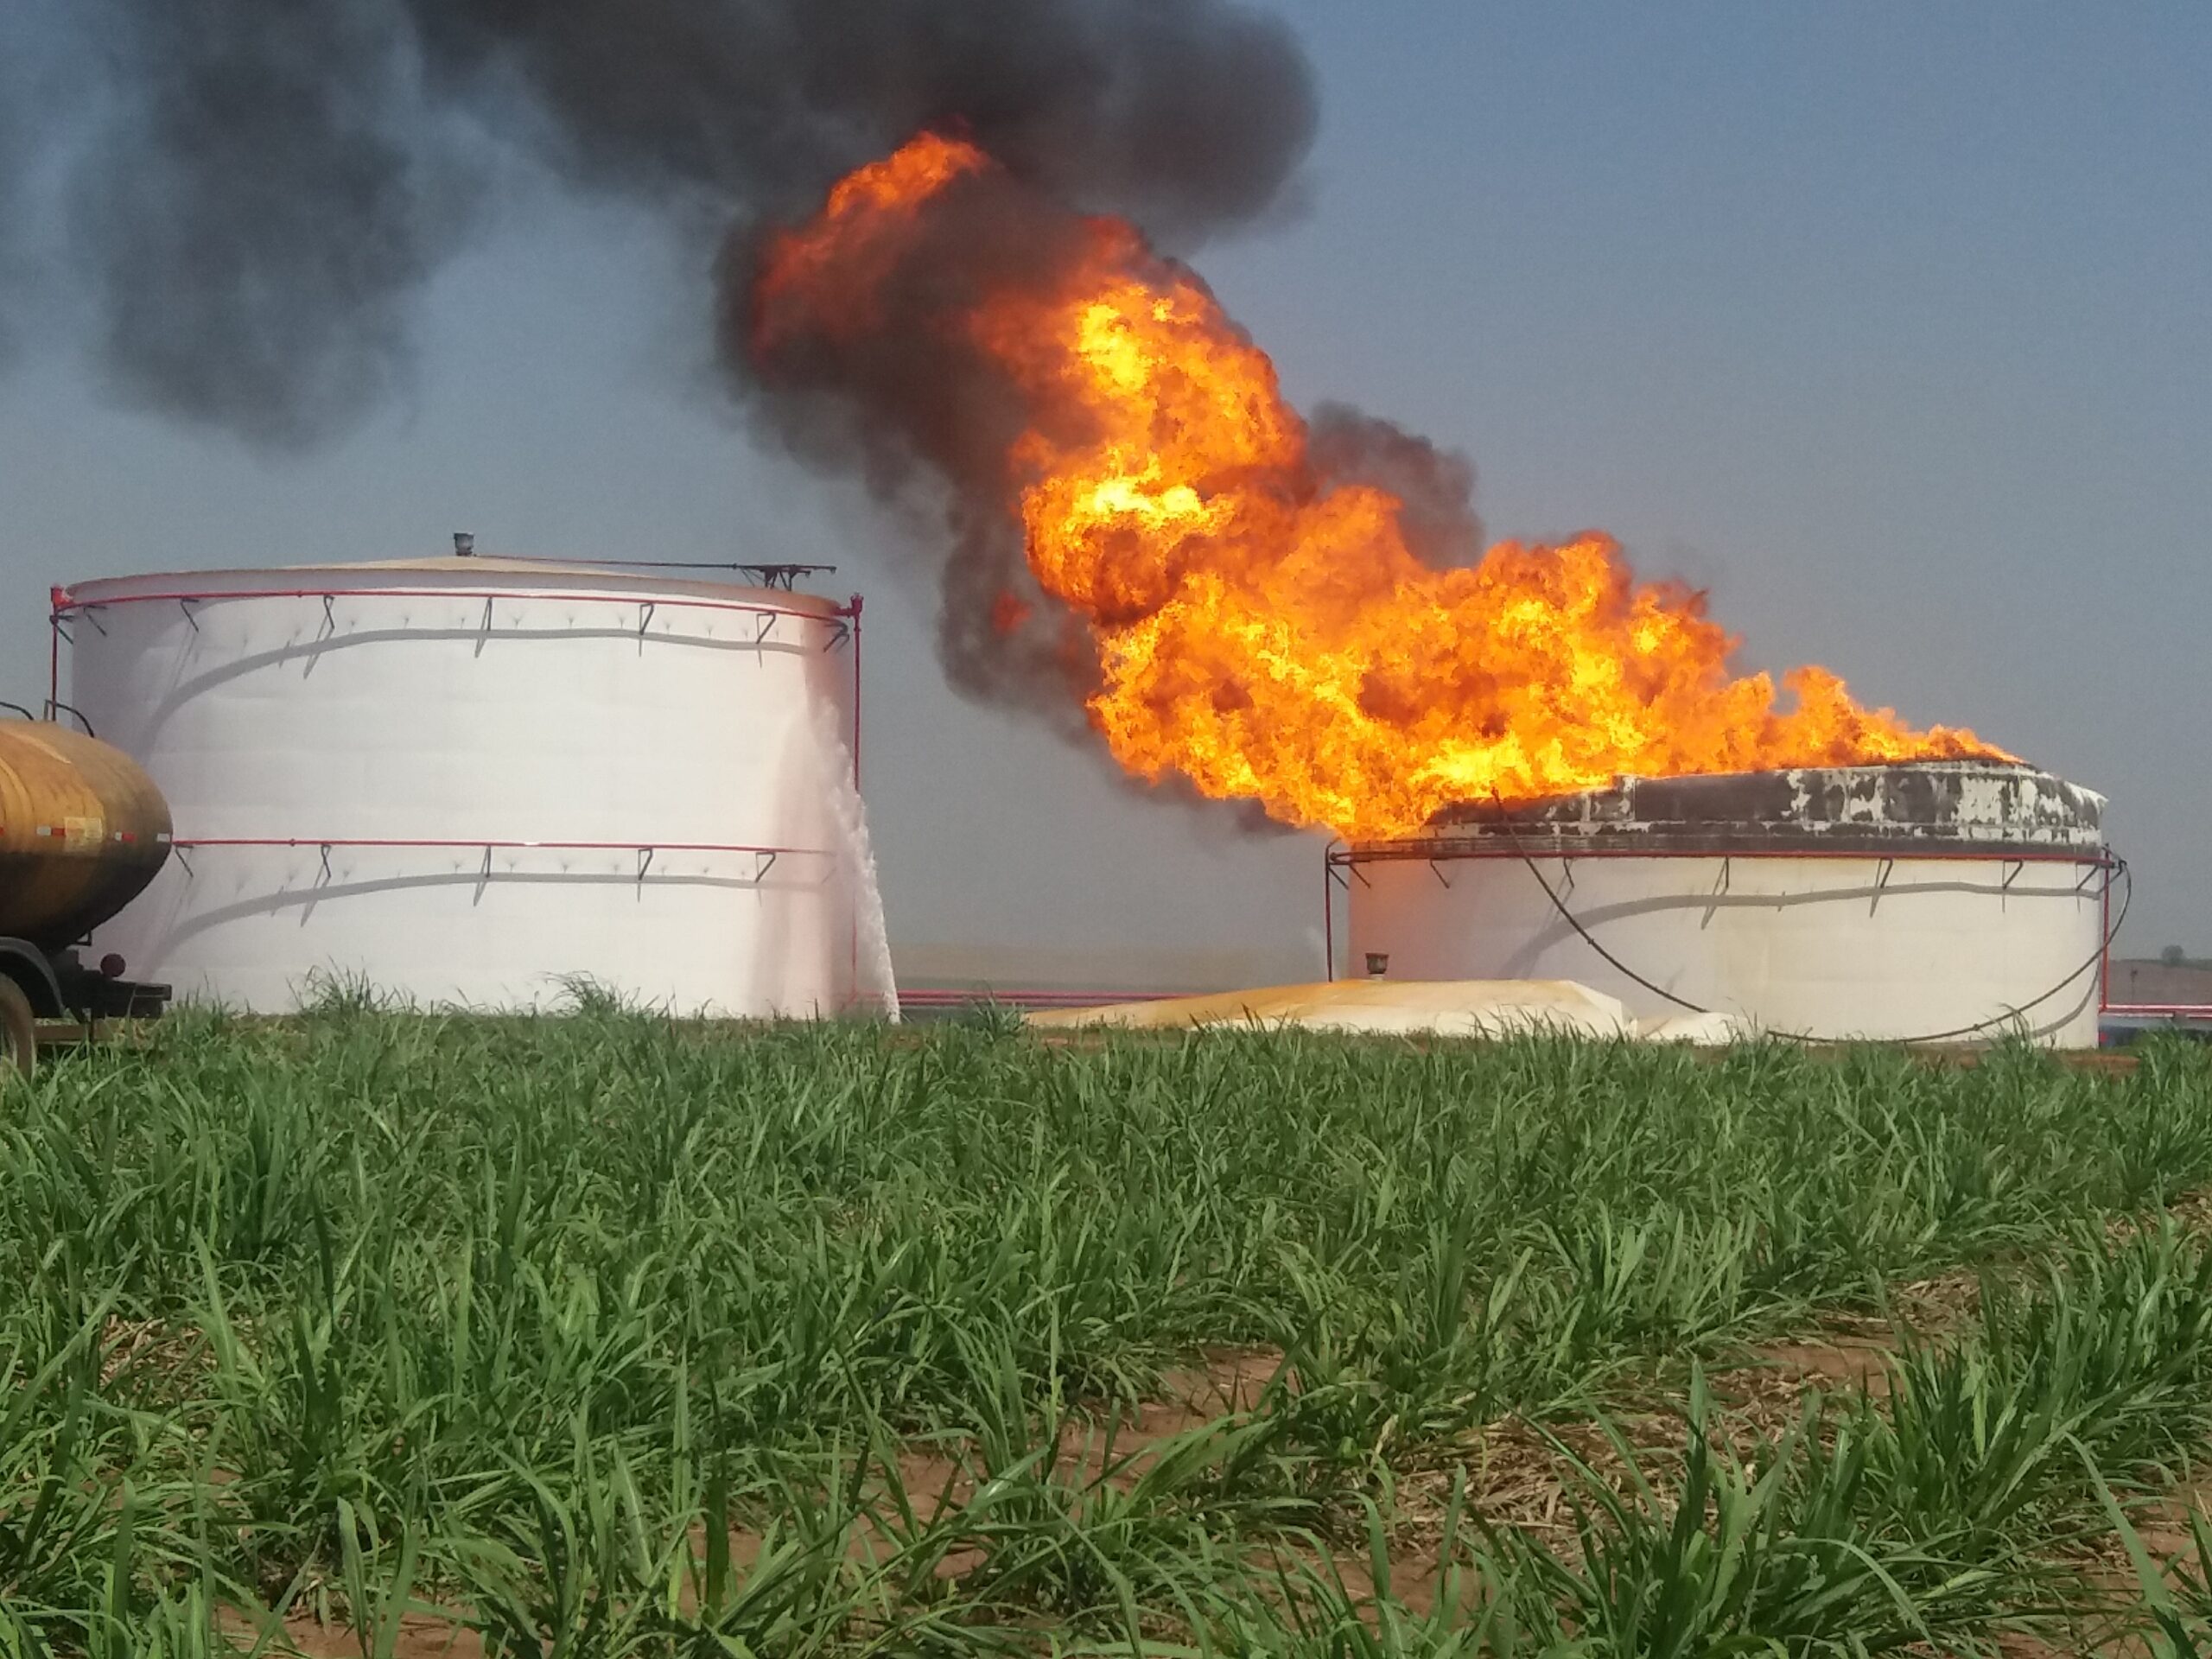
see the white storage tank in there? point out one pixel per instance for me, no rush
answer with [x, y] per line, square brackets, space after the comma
[472, 781]
[1946, 901]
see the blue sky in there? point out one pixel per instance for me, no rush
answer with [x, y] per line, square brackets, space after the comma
[1888, 323]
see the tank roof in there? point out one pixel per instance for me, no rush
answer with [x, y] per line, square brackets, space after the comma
[1889, 810]
[450, 564]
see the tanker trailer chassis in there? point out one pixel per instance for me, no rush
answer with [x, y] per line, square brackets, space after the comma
[49, 997]
[83, 830]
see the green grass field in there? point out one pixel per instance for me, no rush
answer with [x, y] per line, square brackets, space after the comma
[391, 1334]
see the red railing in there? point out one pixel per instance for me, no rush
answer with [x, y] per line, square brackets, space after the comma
[479, 843]
[645, 851]
[65, 602]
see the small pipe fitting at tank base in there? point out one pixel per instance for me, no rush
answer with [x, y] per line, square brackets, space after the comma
[1378, 964]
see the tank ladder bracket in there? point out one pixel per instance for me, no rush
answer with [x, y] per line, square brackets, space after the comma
[184, 606]
[325, 865]
[1881, 884]
[645, 862]
[762, 863]
[1722, 884]
[1437, 870]
[646, 617]
[329, 621]
[767, 626]
[840, 632]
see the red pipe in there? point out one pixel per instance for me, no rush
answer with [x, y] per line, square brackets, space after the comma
[2104, 931]
[57, 598]
[853, 992]
[490, 845]
[854, 611]
[66, 602]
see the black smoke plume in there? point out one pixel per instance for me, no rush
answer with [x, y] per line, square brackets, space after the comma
[13, 148]
[1186, 114]
[278, 182]
[258, 213]
[1436, 486]
[273, 183]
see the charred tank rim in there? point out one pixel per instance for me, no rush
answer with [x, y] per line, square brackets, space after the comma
[1887, 809]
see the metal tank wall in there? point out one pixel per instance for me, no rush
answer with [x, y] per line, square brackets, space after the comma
[1883, 928]
[463, 780]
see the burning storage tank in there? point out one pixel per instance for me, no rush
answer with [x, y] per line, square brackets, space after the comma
[1928, 901]
[477, 780]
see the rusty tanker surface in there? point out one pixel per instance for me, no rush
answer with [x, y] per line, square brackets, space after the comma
[82, 831]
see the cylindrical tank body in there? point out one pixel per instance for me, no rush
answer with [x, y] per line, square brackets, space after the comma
[1946, 901]
[478, 782]
[82, 831]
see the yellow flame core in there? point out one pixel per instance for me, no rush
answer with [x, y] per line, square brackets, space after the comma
[1270, 636]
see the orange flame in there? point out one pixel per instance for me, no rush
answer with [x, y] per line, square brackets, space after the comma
[1267, 634]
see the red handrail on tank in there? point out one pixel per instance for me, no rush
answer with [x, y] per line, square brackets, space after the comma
[853, 611]
[481, 844]
[66, 601]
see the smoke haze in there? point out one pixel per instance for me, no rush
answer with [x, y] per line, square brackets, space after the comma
[255, 218]
[270, 187]
[14, 147]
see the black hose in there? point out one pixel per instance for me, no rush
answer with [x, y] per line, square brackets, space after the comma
[54, 708]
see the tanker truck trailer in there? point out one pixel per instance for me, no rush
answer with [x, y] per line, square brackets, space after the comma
[82, 831]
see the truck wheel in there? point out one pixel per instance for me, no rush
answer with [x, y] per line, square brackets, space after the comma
[18, 1030]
